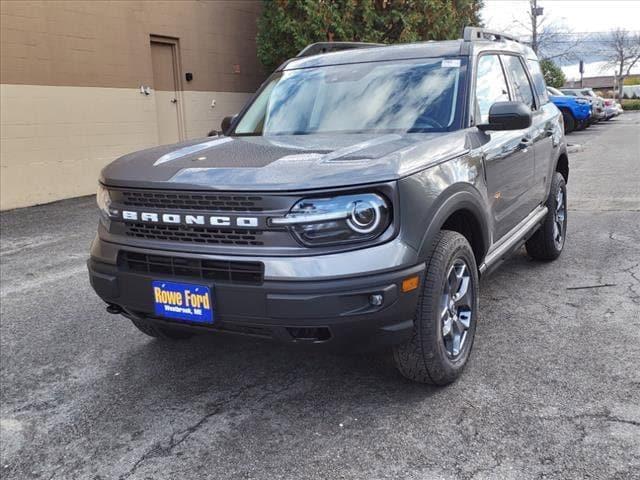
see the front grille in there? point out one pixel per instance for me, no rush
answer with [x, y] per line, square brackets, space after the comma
[191, 201]
[217, 270]
[188, 233]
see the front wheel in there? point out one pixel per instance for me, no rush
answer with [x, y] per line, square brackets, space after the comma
[445, 320]
[569, 121]
[547, 243]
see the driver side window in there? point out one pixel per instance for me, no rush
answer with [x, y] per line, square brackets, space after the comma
[491, 86]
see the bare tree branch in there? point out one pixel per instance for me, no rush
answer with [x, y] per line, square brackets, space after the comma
[551, 41]
[623, 50]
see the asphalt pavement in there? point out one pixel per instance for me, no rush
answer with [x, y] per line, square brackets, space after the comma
[552, 389]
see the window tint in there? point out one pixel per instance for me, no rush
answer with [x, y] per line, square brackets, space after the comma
[538, 81]
[521, 85]
[491, 86]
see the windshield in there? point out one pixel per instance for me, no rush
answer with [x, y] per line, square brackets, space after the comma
[408, 96]
[556, 92]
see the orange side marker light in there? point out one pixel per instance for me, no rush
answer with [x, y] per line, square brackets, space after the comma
[411, 283]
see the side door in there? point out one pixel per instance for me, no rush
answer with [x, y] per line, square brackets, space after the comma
[547, 131]
[507, 155]
[524, 92]
[165, 91]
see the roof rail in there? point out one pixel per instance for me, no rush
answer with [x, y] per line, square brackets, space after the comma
[326, 47]
[473, 34]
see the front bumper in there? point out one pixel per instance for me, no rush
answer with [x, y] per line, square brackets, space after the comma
[582, 112]
[598, 113]
[330, 311]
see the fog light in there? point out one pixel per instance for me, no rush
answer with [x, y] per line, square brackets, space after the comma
[376, 299]
[411, 283]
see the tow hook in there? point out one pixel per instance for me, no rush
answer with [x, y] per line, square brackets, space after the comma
[114, 309]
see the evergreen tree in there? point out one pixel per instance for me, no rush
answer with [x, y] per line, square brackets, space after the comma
[287, 26]
[553, 75]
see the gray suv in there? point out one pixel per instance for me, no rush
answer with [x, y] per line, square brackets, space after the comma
[353, 203]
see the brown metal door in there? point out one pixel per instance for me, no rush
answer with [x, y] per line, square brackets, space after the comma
[165, 90]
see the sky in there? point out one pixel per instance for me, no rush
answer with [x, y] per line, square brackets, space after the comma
[590, 17]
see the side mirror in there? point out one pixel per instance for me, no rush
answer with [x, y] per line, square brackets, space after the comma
[226, 123]
[507, 116]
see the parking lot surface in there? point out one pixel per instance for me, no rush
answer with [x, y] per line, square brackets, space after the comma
[552, 389]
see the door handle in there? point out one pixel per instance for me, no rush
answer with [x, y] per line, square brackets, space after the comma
[525, 143]
[175, 100]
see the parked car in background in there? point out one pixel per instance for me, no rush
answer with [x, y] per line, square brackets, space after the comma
[611, 108]
[597, 103]
[576, 111]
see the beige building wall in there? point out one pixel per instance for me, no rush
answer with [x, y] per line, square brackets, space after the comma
[70, 78]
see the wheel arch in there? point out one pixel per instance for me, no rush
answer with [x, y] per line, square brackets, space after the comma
[562, 165]
[568, 109]
[460, 211]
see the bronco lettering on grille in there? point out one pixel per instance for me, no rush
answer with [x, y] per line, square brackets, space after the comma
[177, 219]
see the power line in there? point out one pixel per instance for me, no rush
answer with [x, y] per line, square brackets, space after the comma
[591, 33]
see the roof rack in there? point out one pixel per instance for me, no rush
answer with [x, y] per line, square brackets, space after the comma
[473, 34]
[326, 47]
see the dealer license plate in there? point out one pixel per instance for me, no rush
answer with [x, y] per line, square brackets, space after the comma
[183, 301]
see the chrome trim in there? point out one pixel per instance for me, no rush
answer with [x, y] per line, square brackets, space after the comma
[516, 234]
[297, 219]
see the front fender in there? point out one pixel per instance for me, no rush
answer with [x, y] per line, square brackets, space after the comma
[430, 197]
[464, 199]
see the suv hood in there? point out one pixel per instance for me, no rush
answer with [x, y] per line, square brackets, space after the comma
[291, 162]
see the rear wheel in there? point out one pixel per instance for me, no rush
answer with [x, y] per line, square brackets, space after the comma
[445, 321]
[162, 333]
[569, 121]
[547, 243]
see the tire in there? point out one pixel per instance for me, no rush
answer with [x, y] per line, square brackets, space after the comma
[160, 333]
[545, 243]
[569, 121]
[429, 356]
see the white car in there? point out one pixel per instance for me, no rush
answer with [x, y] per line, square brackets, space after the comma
[619, 107]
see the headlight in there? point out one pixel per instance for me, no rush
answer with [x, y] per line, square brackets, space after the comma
[582, 101]
[337, 220]
[104, 202]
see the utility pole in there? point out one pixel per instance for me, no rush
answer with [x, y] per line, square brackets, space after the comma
[535, 13]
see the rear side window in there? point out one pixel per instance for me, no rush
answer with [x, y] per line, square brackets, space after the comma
[538, 81]
[491, 86]
[522, 88]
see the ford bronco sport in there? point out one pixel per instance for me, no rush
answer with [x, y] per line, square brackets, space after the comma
[354, 201]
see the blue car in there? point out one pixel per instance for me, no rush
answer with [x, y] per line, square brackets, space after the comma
[576, 111]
